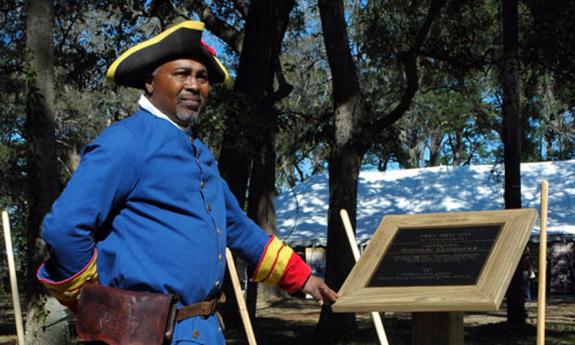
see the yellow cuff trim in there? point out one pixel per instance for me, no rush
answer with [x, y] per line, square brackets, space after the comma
[69, 290]
[273, 264]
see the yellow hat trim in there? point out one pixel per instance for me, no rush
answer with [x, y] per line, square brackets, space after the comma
[226, 75]
[187, 24]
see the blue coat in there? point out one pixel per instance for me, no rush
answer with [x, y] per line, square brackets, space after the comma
[150, 198]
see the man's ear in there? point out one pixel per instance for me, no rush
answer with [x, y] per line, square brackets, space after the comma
[149, 85]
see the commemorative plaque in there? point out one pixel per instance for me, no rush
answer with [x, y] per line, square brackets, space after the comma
[459, 261]
[435, 257]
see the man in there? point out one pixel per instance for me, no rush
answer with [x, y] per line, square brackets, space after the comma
[146, 209]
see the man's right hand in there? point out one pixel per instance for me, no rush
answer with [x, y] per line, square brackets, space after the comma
[319, 290]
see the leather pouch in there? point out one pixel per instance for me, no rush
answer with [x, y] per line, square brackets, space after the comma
[123, 317]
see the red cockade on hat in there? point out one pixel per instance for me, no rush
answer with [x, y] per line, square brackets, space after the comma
[210, 49]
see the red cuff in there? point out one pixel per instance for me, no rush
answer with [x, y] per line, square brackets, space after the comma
[67, 291]
[296, 274]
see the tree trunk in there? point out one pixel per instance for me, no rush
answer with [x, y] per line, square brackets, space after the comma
[261, 200]
[253, 91]
[354, 133]
[344, 164]
[435, 148]
[262, 181]
[248, 149]
[529, 144]
[512, 143]
[457, 147]
[43, 181]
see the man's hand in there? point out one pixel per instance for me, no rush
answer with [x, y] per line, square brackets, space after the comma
[319, 290]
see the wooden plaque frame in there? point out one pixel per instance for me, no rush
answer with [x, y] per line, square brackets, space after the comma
[485, 295]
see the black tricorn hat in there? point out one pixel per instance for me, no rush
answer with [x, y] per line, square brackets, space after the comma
[180, 41]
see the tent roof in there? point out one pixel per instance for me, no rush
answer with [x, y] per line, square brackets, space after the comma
[426, 190]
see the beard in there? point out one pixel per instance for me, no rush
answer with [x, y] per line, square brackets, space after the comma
[189, 115]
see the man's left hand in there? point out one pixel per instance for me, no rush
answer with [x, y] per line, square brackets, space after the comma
[319, 290]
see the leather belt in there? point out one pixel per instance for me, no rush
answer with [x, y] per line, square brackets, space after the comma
[205, 308]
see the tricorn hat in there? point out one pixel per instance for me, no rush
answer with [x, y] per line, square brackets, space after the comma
[180, 41]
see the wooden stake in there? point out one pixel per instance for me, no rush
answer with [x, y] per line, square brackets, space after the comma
[541, 297]
[240, 298]
[13, 281]
[355, 250]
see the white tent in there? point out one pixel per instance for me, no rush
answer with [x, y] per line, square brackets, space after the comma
[302, 221]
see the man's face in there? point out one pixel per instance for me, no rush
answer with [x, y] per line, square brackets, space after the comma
[180, 90]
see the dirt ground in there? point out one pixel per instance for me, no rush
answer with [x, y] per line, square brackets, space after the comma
[293, 322]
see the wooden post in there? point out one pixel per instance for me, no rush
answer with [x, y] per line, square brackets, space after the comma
[437, 328]
[541, 298]
[13, 281]
[240, 298]
[354, 248]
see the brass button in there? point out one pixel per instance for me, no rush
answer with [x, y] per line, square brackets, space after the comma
[218, 231]
[209, 208]
[220, 257]
[195, 333]
[202, 184]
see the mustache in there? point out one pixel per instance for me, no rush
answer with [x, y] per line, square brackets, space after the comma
[190, 96]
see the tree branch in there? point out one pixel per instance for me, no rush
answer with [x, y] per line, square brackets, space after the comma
[309, 134]
[227, 33]
[241, 7]
[284, 88]
[409, 60]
